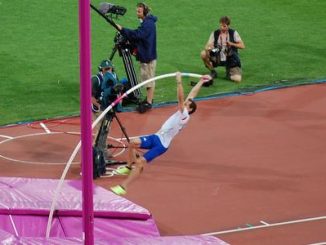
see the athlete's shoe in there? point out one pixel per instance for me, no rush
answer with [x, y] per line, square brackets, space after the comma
[123, 170]
[118, 189]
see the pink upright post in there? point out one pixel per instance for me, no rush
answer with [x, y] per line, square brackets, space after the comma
[86, 120]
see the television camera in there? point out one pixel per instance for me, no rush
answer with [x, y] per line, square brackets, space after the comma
[109, 9]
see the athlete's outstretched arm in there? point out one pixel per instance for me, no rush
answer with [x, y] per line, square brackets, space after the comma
[195, 90]
[180, 93]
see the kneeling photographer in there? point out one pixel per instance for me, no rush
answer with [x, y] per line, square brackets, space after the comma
[105, 89]
[222, 50]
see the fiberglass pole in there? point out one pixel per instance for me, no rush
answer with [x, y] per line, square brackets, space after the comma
[86, 121]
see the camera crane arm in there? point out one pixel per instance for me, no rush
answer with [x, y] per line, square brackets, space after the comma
[111, 22]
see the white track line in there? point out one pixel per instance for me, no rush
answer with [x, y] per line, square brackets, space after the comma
[132, 137]
[45, 128]
[263, 222]
[265, 226]
[8, 139]
[5, 136]
[30, 162]
[120, 142]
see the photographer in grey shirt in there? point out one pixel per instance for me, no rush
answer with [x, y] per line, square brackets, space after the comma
[222, 50]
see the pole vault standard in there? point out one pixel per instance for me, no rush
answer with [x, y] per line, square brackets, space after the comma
[86, 129]
[98, 119]
[86, 121]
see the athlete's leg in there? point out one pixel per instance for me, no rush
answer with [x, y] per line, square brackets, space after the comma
[135, 172]
[151, 142]
[133, 144]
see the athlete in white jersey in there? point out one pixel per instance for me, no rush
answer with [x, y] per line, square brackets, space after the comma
[159, 142]
[172, 126]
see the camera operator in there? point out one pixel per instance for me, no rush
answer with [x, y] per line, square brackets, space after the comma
[105, 89]
[144, 38]
[222, 50]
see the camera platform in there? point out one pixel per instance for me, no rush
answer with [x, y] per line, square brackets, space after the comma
[101, 156]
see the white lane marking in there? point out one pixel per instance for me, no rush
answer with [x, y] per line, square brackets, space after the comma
[31, 162]
[8, 139]
[45, 128]
[34, 162]
[5, 136]
[265, 226]
[132, 137]
[318, 243]
[263, 222]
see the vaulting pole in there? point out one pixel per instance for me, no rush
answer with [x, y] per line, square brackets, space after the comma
[86, 121]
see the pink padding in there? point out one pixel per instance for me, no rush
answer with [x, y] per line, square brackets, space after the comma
[104, 228]
[34, 196]
[25, 205]
[6, 238]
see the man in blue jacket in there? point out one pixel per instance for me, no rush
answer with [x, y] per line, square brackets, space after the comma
[144, 38]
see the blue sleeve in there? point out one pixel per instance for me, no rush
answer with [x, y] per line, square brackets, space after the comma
[140, 33]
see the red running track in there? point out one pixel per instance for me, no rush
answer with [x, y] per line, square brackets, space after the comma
[245, 161]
